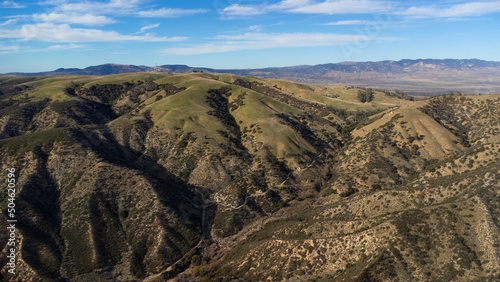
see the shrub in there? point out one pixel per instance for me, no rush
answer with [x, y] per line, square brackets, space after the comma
[348, 192]
[195, 260]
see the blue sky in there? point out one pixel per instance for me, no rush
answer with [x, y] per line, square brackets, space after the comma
[48, 34]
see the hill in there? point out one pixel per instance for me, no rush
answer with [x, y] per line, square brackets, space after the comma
[417, 77]
[219, 177]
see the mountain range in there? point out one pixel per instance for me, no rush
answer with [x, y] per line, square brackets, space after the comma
[420, 77]
[157, 176]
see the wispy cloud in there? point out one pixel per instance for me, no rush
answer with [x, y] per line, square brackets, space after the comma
[144, 28]
[119, 7]
[9, 33]
[349, 22]
[9, 22]
[328, 7]
[71, 18]
[57, 24]
[333, 7]
[343, 7]
[11, 4]
[239, 10]
[64, 33]
[457, 10]
[255, 28]
[252, 10]
[59, 47]
[65, 47]
[8, 49]
[95, 7]
[170, 13]
[255, 41]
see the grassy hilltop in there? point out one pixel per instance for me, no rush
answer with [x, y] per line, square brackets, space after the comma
[219, 177]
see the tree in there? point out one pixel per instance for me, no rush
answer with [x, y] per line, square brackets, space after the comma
[362, 96]
[369, 95]
[365, 95]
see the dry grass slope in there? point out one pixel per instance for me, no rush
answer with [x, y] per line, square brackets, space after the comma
[217, 177]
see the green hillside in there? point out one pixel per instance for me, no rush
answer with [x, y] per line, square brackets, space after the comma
[219, 177]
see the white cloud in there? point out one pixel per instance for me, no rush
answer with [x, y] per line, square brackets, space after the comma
[343, 7]
[349, 22]
[328, 7]
[119, 7]
[255, 28]
[144, 28]
[253, 10]
[333, 7]
[110, 7]
[72, 18]
[59, 47]
[9, 22]
[170, 13]
[11, 4]
[65, 47]
[287, 4]
[50, 32]
[255, 41]
[458, 10]
[9, 33]
[238, 10]
[8, 49]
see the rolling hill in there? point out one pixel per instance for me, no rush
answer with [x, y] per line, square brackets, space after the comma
[417, 77]
[221, 177]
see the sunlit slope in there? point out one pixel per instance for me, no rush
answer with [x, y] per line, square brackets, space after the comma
[256, 115]
[343, 97]
[413, 126]
[441, 161]
[212, 176]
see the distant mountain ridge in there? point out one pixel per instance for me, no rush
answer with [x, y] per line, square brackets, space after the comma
[420, 76]
[107, 69]
[386, 66]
